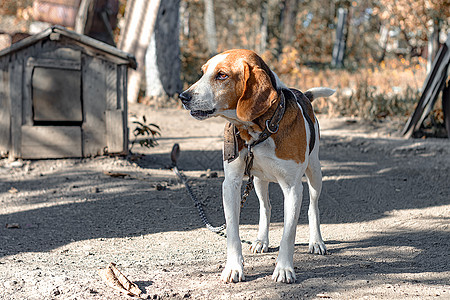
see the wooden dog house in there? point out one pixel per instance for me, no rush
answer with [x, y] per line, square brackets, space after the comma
[63, 94]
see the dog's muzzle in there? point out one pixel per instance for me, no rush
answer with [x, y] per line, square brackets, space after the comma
[186, 98]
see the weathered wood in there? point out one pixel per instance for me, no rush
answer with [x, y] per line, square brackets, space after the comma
[114, 131]
[122, 87]
[15, 90]
[76, 38]
[94, 106]
[54, 63]
[433, 84]
[122, 100]
[5, 112]
[68, 52]
[51, 142]
[446, 107]
[56, 95]
[27, 104]
[111, 86]
[63, 97]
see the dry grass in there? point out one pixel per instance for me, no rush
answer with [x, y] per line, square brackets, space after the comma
[391, 88]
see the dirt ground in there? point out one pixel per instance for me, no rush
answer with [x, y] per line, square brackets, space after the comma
[385, 213]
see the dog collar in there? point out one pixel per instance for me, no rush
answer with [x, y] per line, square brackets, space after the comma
[230, 146]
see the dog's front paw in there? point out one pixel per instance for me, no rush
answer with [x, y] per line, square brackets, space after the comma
[259, 246]
[233, 272]
[284, 274]
[317, 248]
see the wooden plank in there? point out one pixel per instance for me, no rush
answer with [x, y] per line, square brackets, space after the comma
[433, 84]
[122, 77]
[446, 107]
[94, 106]
[115, 132]
[5, 112]
[51, 142]
[125, 58]
[27, 105]
[111, 86]
[15, 92]
[54, 63]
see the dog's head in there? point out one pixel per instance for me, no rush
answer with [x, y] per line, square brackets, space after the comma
[236, 84]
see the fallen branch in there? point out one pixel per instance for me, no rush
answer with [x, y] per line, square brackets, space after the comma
[115, 279]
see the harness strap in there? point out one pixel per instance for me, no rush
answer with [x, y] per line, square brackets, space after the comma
[301, 100]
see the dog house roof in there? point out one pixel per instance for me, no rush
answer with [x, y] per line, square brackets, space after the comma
[80, 38]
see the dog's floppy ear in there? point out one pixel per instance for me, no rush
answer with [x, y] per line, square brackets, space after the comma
[258, 93]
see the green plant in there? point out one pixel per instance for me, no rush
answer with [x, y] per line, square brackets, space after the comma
[148, 131]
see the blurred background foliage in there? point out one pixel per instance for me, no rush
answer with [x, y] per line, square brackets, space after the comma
[386, 56]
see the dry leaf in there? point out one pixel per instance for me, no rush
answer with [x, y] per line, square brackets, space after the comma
[115, 279]
[13, 190]
[12, 226]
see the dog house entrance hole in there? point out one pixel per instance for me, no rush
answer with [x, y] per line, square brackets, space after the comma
[56, 96]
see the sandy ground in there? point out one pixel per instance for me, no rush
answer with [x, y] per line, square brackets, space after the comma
[385, 212]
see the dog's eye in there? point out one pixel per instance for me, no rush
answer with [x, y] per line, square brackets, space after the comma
[221, 76]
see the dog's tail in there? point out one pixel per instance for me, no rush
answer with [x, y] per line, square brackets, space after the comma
[317, 92]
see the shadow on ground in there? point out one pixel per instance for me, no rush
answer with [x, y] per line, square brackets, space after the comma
[358, 187]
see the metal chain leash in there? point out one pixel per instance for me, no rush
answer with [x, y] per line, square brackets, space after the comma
[174, 157]
[248, 167]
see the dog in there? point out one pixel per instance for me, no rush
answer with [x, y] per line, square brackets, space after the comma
[239, 86]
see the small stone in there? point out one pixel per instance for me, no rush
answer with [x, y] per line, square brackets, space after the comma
[160, 187]
[13, 190]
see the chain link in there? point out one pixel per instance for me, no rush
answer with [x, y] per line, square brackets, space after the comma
[248, 167]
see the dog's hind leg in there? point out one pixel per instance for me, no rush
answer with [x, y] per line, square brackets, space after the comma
[261, 244]
[314, 176]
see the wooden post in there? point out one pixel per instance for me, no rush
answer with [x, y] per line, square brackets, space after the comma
[446, 107]
[341, 39]
[433, 84]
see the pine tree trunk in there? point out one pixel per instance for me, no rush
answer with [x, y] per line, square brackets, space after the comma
[263, 27]
[140, 20]
[210, 27]
[162, 62]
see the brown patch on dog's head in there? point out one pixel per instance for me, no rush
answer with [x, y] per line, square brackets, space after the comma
[251, 90]
[258, 95]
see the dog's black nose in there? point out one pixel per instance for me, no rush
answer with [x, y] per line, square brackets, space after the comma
[185, 97]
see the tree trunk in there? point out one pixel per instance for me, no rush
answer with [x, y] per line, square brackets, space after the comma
[263, 28]
[162, 62]
[289, 21]
[340, 43]
[210, 27]
[140, 21]
[281, 17]
[384, 38]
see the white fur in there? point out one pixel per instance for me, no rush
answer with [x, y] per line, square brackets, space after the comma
[287, 173]
[267, 167]
[202, 93]
[321, 92]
